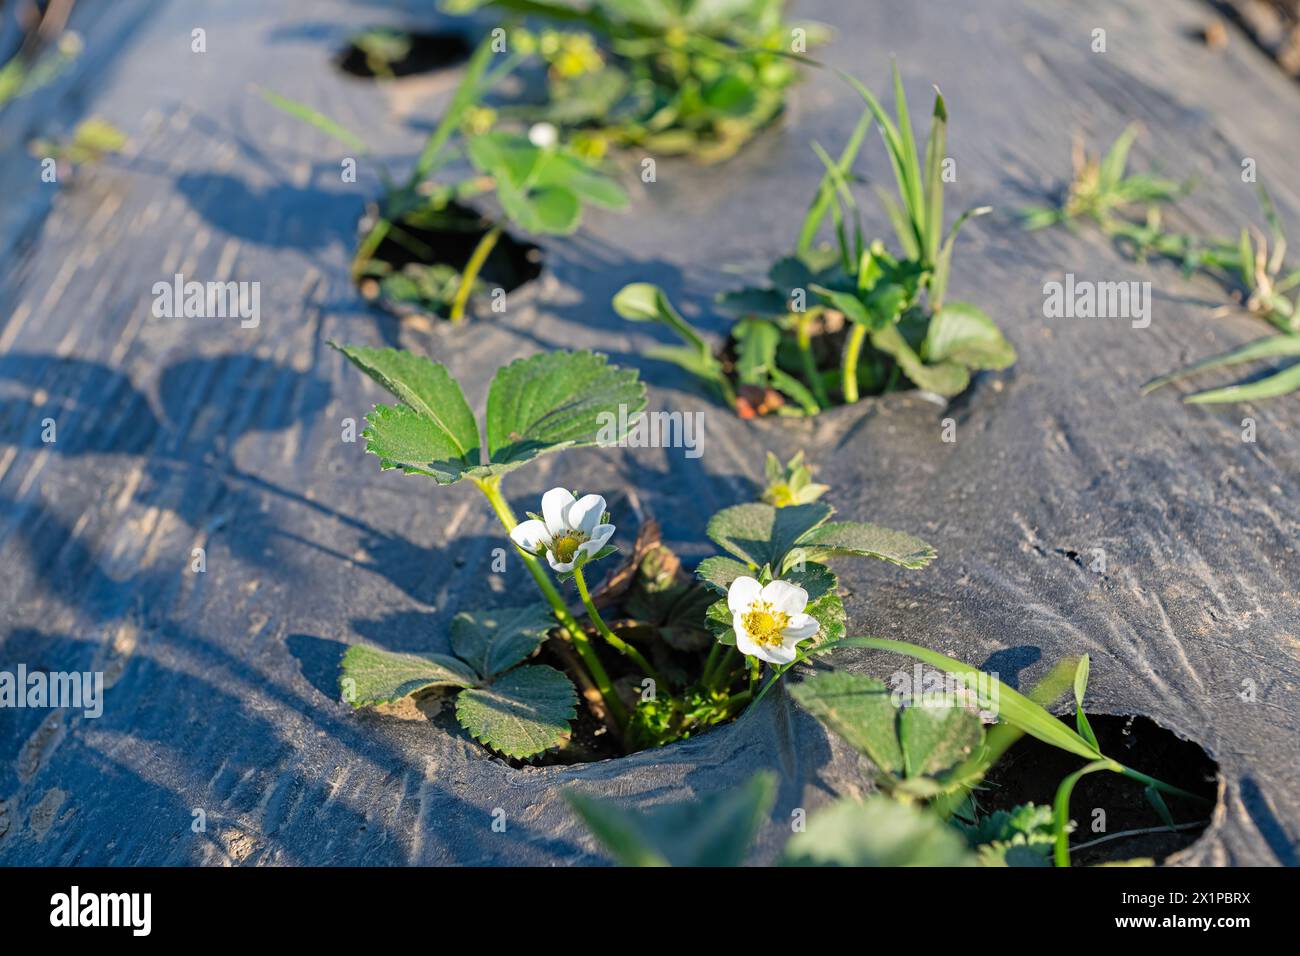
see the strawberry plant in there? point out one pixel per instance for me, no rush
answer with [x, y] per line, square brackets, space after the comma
[694, 77]
[678, 658]
[423, 245]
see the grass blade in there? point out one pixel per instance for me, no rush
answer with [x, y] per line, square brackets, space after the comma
[934, 159]
[825, 189]
[1014, 707]
[1061, 808]
[1282, 383]
[943, 264]
[1272, 346]
[894, 147]
[314, 118]
[1162, 809]
[915, 199]
[470, 90]
[1112, 166]
[1081, 688]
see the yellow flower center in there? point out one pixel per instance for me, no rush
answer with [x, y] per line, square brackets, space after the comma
[566, 547]
[765, 625]
[780, 495]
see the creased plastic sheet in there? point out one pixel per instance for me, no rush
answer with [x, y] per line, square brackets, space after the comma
[222, 708]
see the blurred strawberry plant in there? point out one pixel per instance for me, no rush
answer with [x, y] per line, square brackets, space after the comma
[90, 142]
[542, 188]
[839, 321]
[695, 77]
[1127, 207]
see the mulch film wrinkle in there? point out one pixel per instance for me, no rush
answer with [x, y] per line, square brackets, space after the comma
[221, 691]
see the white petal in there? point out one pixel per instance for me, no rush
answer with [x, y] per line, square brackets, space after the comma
[554, 504]
[743, 592]
[558, 566]
[754, 649]
[585, 513]
[590, 548]
[784, 596]
[543, 135]
[800, 628]
[530, 535]
[781, 653]
[746, 644]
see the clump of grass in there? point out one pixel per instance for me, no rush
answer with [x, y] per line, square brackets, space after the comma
[90, 142]
[854, 317]
[1250, 267]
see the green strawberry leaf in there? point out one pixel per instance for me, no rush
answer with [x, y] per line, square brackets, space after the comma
[434, 432]
[817, 579]
[864, 540]
[557, 400]
[541, 190]
[402, 438]
[761, 534]
[718, 572]
[860, 710]
[879, 832]
[936, 740]
[710, 830]
[495, 641]
[830, 615]
[947, 378]
[522, 713]
[719, 621]
[960, 332]
[372, 676]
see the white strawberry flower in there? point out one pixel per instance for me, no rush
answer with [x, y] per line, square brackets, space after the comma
[769, 619]
[543, 135]
[572, 531]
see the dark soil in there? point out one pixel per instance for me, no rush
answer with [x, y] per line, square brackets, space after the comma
[1031, 771]
[428, 52]
[511, 264]
[590, 740]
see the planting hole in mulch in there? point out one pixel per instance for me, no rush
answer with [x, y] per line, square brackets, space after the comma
[387, 53]
[417, 267]
[1031, 771]
[877, 372]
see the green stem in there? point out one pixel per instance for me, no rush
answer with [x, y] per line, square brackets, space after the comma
[470, 275]
[491, 488]
[803, 337]
[1061, 807]
[1140, 832]
[368, 246]
[711, 662]
[1158, 784]
[715, 680]
[852, 352]
[737, 701]
[612, 639]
